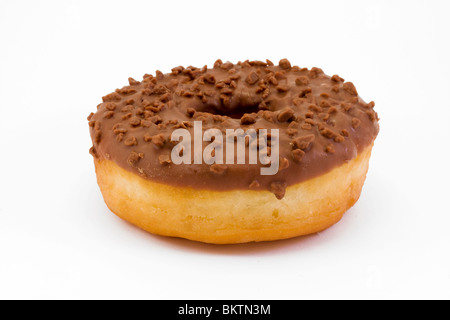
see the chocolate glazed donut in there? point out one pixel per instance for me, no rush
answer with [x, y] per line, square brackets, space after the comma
[326, 133]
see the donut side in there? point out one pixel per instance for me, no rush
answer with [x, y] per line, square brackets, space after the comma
[235, 216]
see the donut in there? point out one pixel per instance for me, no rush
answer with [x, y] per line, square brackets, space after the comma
[311, 135]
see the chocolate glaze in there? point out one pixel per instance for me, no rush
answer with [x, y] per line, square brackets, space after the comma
[323, 122]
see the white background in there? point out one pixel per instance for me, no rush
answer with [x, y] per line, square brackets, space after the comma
[59, 240]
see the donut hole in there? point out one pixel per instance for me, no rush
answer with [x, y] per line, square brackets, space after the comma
[235, 113]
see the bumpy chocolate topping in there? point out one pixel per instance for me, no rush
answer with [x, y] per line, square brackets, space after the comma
[323, 122]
